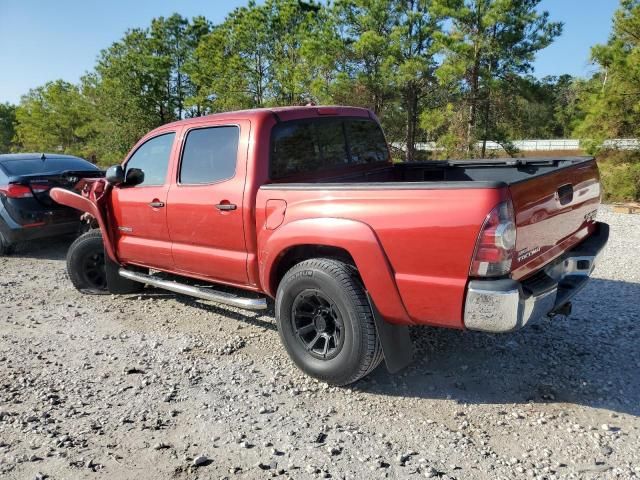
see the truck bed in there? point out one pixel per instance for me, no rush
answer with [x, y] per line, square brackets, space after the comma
[422, 213]
[492, 173]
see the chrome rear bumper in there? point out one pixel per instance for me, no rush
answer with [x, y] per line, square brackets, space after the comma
[505, 305]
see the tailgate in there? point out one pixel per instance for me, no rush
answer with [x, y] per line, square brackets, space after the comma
[554, 211]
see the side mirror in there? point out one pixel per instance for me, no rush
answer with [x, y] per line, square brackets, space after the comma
[115, 175]
[135, 176]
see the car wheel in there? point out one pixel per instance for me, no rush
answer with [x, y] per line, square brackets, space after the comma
[326, 323]
[86, 265]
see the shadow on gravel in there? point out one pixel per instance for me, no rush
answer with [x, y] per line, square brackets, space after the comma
[46, 248]
[248, 317]
[591, 358]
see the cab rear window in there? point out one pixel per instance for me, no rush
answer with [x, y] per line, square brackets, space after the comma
[312, 145]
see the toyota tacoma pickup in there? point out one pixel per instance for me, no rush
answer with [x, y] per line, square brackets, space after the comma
[304, 205]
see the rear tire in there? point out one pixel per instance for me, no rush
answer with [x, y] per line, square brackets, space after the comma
[326, 323]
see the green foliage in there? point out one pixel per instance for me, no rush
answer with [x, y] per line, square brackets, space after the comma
[55, 117]
[610, 101]
[391, 50]
[531, 108]
[456, 72]
[141, 82]
[490, 44]
[278, 53]
[620, 175]
[7, 126]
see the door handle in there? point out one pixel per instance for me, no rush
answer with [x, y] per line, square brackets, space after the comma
[156, 204]
[226, 206]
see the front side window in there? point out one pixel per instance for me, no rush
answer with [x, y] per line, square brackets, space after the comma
[209, 155]
[305, 146]
[153, 159]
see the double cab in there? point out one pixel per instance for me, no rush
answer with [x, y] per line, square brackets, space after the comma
[304, 205]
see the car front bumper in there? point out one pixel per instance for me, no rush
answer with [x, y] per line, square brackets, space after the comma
[506, 305]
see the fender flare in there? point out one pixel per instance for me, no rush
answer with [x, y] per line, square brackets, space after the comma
[355, 237]
[84, 204]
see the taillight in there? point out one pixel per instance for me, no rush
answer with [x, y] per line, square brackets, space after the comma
[21, 191]
[496, 243]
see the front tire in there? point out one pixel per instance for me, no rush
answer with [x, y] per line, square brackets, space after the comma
[326, 323]
[92, 272]
[86, 263]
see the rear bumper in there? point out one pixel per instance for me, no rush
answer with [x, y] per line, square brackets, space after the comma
[47, 223]
[505, 305]
[14, 232]
[24, 234]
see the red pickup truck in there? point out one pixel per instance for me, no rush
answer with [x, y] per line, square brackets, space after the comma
[304, 205]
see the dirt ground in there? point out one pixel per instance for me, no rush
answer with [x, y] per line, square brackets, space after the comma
[158, 386]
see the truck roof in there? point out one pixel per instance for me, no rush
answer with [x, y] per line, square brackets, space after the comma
[281, 114]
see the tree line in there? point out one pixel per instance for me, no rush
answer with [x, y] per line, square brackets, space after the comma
[455, 72]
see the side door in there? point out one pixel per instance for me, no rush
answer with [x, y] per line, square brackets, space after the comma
[205, 204]
[140, 212]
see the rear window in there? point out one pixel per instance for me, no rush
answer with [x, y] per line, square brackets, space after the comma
[31, 166]
[306, 146]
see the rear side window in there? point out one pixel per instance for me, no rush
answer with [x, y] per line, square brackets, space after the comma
[209, 155]
[306, 146]
[152, 157]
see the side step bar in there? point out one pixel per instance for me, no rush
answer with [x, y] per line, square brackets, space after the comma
[202, 293]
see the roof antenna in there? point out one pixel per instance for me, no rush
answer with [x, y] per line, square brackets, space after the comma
[43, 157]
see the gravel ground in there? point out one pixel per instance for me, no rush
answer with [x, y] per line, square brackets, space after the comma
[162, 386]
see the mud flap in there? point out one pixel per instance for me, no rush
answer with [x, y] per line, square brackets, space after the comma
[397, 346]
[115, 283]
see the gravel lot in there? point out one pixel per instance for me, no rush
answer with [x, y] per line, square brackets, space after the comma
[163, 386]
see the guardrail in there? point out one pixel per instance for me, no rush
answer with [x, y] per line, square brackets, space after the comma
[539, 145]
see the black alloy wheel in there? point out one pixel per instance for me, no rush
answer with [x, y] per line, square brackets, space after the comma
[326, 322]
[317, 324]
[93, 270]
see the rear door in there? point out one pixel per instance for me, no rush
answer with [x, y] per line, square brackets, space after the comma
[205, 204]
[554, 211]
[140, 211]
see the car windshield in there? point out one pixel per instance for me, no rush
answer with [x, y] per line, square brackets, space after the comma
[49, 166]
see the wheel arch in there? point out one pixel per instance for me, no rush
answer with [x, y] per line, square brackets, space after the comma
[84, 204]
[299, 253]
[350, 241]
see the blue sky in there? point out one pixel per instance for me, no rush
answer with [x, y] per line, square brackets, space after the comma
[43, 40]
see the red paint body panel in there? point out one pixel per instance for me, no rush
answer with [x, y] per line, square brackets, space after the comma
[141, 231]
[543, 222]
[206, 241]
[412, 246]
[426, 248]
[92, 201]
[148, 241]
